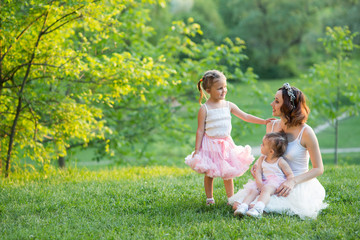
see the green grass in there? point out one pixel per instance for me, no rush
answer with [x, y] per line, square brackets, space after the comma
[349, 134]
[159, 203]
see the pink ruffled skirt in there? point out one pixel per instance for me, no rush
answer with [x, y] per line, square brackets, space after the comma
[220, 157]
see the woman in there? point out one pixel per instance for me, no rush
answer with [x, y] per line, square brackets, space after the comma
[302, 195]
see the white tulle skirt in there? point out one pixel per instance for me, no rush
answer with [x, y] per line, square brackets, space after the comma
[306, 200]
[220, 157]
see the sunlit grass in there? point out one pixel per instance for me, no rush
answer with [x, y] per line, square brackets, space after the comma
[83, 174]
[159, 203]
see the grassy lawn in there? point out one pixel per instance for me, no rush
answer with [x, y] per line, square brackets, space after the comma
[349, 134]
[160, 203]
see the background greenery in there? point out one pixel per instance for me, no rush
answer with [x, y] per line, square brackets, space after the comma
[107, 91]
[116, 80]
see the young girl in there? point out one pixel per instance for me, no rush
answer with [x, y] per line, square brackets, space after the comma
[215, 153]
[272, 170]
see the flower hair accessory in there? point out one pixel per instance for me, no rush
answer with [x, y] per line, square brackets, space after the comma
[290, 94]
[201, 80]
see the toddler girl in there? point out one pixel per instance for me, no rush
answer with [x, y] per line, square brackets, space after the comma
[272, 170]
[215, 153]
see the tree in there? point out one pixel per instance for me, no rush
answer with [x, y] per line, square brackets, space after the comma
[272, 29]
[334, 84]
[88, 73]
[41, 108]
[343, 13]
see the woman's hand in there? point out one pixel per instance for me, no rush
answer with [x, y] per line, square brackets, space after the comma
[286, 187]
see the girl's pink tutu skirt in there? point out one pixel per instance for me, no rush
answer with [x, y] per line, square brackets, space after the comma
[220, 157]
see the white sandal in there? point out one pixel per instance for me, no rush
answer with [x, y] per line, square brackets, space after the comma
[210, 201]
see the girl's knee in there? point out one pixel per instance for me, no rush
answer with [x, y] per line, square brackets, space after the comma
[254, 192]
[269, 189]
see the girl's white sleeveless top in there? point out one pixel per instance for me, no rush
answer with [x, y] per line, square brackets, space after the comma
[218, 122]
[272, 169]
[296, 155]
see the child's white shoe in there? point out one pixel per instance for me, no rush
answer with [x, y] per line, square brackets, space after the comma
[210, 201]
[254, 212]
[241, 210]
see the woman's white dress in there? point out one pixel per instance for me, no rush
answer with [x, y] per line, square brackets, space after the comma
[307, 198]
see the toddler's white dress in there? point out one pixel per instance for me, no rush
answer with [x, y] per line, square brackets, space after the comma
[271, 175]
[307, 199]
[218, 155]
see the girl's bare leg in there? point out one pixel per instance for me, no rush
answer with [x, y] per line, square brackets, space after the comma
[266, 193]
[250, 196]
[229, 187]
[208, 184]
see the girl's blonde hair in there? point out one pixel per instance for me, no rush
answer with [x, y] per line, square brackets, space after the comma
[210, 77]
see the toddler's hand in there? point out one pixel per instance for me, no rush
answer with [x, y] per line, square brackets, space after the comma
[253, 169]
[259, 185]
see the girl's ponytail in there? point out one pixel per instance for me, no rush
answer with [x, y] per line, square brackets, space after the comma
[201, 91]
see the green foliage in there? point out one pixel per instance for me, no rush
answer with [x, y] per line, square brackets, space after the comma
[281, 35]
[333, 86]
[89, 73]
[343, 13]
[271, 29]
[41, 111]
[158, 203]
[206, 13]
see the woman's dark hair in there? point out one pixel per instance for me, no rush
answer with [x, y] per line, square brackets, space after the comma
[278, 142]
[296, 111]
[210, 77]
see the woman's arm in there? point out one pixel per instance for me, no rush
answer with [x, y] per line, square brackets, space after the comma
[285, 168]
[201, 128]
[245, 116]
[310, 142]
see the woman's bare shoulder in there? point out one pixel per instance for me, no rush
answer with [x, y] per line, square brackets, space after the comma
[269, 125]
[309, 138]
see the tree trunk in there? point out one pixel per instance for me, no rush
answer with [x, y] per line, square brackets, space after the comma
[20, 99]
[61, 162]
[338, 76]
[13, 127]
[336, 141]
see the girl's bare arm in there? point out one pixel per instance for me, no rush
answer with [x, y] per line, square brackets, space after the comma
[200, 129]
